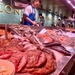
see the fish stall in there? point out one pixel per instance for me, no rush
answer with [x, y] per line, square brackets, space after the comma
[37, 50]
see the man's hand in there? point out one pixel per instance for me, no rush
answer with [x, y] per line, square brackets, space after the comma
[35, 23]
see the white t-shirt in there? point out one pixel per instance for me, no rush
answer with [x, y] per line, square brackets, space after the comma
[28, 10]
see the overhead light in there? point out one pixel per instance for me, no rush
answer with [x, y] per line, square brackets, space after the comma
[0, 0]
[69, 1]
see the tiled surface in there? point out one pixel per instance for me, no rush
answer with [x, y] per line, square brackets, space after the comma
[8, 18]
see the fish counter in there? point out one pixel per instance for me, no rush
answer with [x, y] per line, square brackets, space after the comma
[37, 50]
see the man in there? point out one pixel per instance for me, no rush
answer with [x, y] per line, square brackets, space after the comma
[29, 13]
[41, 23]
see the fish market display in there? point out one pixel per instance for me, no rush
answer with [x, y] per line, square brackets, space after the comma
[31, 52]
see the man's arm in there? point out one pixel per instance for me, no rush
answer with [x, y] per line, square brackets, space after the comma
[28, 19]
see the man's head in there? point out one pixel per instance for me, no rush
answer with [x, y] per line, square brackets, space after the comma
[40, 15]
[36, 3]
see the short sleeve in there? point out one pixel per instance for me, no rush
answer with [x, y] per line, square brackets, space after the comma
[27, 10]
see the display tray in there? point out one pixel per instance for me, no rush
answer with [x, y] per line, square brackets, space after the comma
[61, 60]
[18, 30]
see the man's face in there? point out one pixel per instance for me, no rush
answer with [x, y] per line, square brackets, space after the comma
[40, 16]
[36, 4]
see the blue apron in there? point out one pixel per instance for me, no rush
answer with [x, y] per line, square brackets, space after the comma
[32, 17]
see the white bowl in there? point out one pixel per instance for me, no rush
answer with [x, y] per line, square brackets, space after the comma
[6, 67]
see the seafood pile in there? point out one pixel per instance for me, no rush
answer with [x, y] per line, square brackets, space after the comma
[27, 57]
[31, 52]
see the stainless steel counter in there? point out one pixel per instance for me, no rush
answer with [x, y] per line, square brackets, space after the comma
[64, 65]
